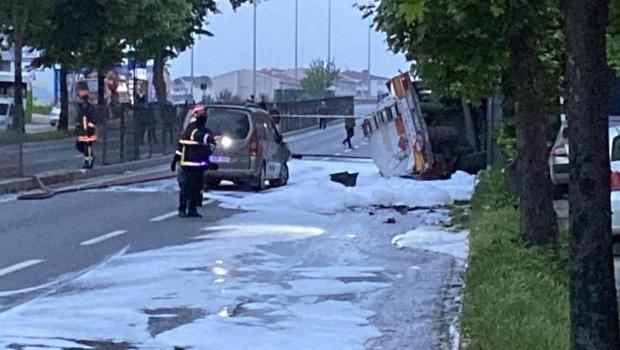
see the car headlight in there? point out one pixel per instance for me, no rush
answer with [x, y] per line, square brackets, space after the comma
[226, 142]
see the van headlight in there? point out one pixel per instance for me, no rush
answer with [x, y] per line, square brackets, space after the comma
[226, 142]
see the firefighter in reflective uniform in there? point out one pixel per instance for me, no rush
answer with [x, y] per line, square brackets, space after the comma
[193, 151]
[85, 128]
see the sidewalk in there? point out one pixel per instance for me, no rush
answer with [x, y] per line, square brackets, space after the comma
[51, 178]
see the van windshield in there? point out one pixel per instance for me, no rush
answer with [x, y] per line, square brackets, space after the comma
[3, 108]
[234, 124]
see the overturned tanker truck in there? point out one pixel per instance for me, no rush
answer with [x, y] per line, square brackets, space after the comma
[401, 142]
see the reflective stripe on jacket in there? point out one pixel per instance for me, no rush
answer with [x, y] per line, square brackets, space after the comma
[195, 147]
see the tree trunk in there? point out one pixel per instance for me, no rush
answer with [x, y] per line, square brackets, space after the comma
[63, 122]
[158, 79]
[593, 304]
[528, 78]
[100, 87]
[18, 43]
[470, 129]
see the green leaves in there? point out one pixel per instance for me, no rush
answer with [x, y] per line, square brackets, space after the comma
[413, 10]
[320, 76]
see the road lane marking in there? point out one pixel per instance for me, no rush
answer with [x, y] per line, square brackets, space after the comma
[164, 216]
[103, 237]
[174, 213]
[19, 266]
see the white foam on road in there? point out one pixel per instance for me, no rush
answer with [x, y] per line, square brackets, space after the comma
[268, 278]
[19, 266]
[103, 238]
[311, 190]
[436, 240]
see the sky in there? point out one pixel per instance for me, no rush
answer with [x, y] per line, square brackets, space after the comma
[231, 47]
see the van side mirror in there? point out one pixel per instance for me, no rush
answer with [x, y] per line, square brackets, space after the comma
[279, 139]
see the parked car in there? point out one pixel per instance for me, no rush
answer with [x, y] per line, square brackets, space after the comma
[6, 112]
[54, 116]
[614, 153]
[249, 151]
[558, 159]
[561, 177]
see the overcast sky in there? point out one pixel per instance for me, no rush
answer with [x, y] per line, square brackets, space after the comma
[231, 47]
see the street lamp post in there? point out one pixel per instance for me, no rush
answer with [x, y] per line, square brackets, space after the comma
[329, 31]
[191, 74]
[369, 51]
[296, 35]
[254, 70]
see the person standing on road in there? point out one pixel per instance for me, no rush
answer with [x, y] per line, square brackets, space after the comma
[323, 110]
[349, 125]
[151, 123]
[195, 147]
[85, 127]
[274, 112]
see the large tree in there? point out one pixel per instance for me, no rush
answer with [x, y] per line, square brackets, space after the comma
[594, 312]
[17, 17]
[166, 28]
[78, 34]
[319, 77]
[475, 49]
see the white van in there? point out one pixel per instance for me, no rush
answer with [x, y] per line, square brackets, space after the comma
[7, 108]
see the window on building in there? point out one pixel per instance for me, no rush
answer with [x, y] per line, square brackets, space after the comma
[5, 66]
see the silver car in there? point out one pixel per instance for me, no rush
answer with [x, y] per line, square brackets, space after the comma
[558, 159]
[249, 151]
[54, 116]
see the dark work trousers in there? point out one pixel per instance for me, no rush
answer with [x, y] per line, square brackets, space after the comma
[191, 182]
[350, 134]
[322, 123]
[86, 148]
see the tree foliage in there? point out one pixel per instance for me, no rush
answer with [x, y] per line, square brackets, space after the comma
[320, 76]
[474, 49]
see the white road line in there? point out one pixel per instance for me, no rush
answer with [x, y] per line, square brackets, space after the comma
[104, 237]
[165, 216]
[174, 213]
[20, 266]
[338, 154]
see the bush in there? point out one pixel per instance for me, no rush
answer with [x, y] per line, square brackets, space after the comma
[41, 109]
[515, 297]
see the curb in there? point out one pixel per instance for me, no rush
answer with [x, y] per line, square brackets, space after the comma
[71, 176]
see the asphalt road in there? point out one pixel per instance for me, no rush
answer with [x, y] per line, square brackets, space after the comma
[347, 287]
[43, 241]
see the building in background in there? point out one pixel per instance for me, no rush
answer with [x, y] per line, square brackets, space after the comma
[184, 89]
[377, 84]
[274, 81]
[7, 71]
[241, 83]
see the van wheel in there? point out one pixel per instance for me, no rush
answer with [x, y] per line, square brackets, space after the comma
[259, 185]
[283, 180]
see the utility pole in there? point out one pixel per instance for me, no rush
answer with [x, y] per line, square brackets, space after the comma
[369, 51]
[329, 32]
[254, 70]
[191, 85]
[296, 35]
